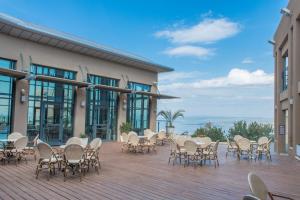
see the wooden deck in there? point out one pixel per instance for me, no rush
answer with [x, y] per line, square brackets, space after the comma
[148, 176]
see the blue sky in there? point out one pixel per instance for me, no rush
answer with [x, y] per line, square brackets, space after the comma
[223, 64]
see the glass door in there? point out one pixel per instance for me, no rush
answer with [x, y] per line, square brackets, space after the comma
[52, 123]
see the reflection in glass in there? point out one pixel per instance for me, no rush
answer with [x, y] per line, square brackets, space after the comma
[50, 108]
[101, 109]
[138, 107]
[6, 87]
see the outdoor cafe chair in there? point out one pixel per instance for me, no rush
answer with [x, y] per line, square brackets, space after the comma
[151, 143]
[191, 152]
[92, 155]
[74, 140]
[161, 137]
[134, 142]
[17, 152]
[244, 148]
[47, 159]
[264, 149]
[73, 160]
[148, 133]
[124, 140]
[260, 190]
[237, 137]
[212, 154]
[231, 147]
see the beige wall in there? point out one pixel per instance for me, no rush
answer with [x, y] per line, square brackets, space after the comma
[11, 48]
[287, 38]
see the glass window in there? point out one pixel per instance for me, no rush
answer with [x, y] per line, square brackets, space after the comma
[6, 100]
[51, 105]
[102, 109]
[138, 107]
[285, 72]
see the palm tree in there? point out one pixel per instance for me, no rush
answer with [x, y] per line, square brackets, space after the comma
[170, 117]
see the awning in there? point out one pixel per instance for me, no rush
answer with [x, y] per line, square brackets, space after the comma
[155, 95]
[61, 80]
[112, 88]
[12, 73]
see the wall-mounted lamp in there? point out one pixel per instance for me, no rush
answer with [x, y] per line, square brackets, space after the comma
[124, 104]
[22, 95]
[275, 107]
[291, 101]
[286, 12]
[82, 104]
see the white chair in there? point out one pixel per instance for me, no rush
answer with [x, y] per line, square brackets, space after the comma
[212, 154]
[47, 158]
[237, 137]
[244, 148]
[73, 159]
[191, 153]
[92, 155]
[14, 136]
[18, 151]
[133, 141]
[260, 190]
[74, 140]
[148, 133]
[151, 143]
[161, 137]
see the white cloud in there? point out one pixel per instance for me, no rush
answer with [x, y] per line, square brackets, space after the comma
[206, 31]
[173, 76]
[188, 50]
[235, 78]
[247, 61]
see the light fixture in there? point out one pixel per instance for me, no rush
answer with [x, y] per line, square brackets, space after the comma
[82, 104]
[272, 42]
[286, 12]
[22, 95]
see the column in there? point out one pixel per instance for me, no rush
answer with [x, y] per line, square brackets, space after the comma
[79, 112]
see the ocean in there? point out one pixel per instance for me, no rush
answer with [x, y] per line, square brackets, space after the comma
[190, 124]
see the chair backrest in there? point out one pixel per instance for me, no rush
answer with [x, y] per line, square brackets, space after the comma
[148, 132]
[124, 137]
[250, 197]
[95, 142]
[180, 140]
[73, 152]
[74, 140]
[237, 137]
[190, 146]
[132, 133]
[162, 135]
[44, 150]
[257, 186]
[133, 139]
[173, 145]
[14, 136]
[244, 144]
[152, 140]
[21, 143]
[206, 140]
[262, 140]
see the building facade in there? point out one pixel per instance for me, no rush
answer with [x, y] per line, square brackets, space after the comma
[287, 81]
[59, 86]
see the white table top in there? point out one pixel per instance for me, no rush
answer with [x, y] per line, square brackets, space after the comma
[142, 136]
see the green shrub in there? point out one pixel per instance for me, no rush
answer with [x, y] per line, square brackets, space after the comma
[125, 127]
[252, 131]
[211, 131]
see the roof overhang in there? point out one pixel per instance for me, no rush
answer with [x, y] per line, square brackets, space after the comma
[12, 73]
[111, 88]
[155, 95]
[61, 80]
[23, 30]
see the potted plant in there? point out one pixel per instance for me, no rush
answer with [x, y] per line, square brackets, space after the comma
[125, 127]
[170, 117]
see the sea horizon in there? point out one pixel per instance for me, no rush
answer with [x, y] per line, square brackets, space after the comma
[190, 124]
